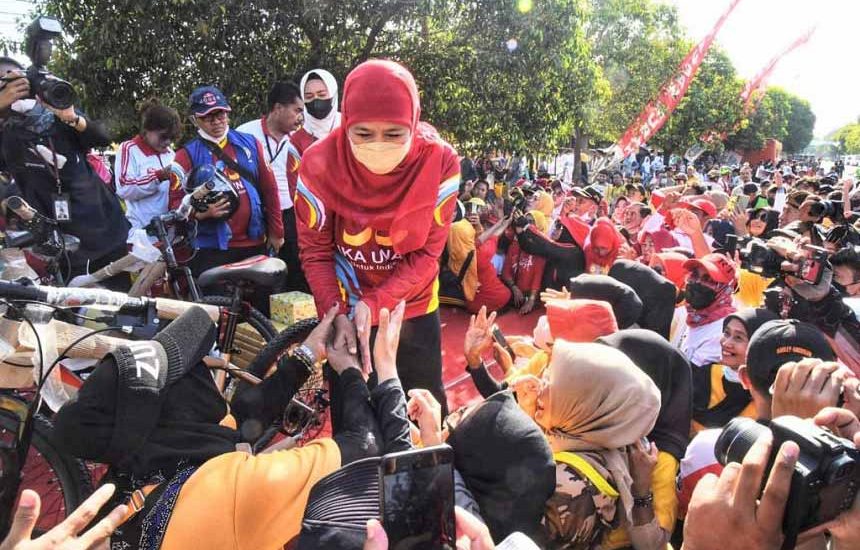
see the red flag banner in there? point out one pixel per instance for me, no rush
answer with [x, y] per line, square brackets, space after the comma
[759, 81]
[658, 111]
[754, 89]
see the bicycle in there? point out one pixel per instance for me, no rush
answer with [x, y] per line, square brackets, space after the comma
[135, 316]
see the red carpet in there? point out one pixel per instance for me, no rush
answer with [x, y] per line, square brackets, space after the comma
[458, 383]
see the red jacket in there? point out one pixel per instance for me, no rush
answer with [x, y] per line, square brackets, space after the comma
[345, 261]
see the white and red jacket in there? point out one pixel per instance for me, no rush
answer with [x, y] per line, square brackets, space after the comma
[144, 194]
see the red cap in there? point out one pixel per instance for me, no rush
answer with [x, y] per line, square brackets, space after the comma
[580, 320]
[704, 205]
[718, 266]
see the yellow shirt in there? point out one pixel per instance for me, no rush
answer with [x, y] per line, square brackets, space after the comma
[665, 501]
[718, 393]
[239, 501]
[751, 287]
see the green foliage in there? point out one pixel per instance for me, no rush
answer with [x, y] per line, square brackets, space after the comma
[848, 138]
[780, 115]
[711, 103]
[580, 67]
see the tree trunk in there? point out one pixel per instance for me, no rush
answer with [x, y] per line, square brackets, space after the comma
[580, 143]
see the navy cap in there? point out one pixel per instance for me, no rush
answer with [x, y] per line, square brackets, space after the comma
[205, 99]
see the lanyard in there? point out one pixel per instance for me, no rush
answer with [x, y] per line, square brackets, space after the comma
[54, 168]
[280, 148]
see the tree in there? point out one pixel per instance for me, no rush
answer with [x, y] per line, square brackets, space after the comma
[848, 138]
[801, 124]
[711, 103]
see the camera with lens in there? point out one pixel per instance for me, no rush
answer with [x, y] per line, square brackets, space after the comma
[757, 257]
[827, 209]
[217, 187]
[38, 46]
[826, 476]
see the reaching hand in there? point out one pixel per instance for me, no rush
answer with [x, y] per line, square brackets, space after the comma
[843, 530]
[805, 387]
[427, 413]
[319, 336]
[687, 222]
[215, 210]
[362, 328]
[479, 336]
[552, 294]
[65, 535]
[387, 341]
[344, 334]
[275, 242]
[528, 305]
[471, 533]
[723, 512]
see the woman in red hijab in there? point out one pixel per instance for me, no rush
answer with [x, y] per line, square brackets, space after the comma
[374, 203]
[602, 246]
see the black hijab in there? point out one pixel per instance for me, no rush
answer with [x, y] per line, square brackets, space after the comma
[506, 463]
[144, 431]
[625, 303]
[656, 292]
[670, 371]
[737, 397]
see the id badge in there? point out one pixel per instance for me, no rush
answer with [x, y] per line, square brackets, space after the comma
[62, 209]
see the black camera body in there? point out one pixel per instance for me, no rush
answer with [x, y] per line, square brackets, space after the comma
[835, 210]
[38, 46]
[758, 258]
[826, 476]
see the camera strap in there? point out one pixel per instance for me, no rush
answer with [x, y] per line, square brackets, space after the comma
[233, 165]
[61, 201]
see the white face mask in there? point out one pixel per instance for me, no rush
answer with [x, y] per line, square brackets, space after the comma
[211, 138]
[380, 157]
[731, 375]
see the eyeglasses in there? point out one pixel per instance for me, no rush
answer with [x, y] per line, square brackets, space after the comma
[762, 217]
[212, 117]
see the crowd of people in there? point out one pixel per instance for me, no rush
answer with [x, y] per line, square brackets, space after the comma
[674, 298]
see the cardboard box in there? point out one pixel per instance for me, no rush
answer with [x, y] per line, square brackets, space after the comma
[291, 307]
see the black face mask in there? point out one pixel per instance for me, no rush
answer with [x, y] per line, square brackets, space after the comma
[319, 108]
[699, 296]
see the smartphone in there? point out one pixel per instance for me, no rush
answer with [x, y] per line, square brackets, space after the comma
[417, 499]
[731, 245]
[502, 341]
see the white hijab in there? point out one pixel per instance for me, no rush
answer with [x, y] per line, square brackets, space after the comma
[320, 128]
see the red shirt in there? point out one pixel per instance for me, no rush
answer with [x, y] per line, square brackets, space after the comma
[525, 270]
[238, 222]
[491, 291]
[345, 260]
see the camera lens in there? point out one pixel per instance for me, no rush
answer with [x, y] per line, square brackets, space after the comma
[737, 438]
[58, 93]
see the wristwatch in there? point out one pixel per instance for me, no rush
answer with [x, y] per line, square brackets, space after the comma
[305, 356]
[643, 502]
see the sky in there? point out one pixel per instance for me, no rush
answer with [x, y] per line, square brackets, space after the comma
[824, 71]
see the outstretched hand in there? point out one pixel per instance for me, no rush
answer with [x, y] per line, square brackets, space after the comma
[387, 342]
[479, 336]
[321, 334]
[65, 535]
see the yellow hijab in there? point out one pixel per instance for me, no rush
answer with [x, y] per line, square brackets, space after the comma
[541, 221]
[544, 203]
[461, 241]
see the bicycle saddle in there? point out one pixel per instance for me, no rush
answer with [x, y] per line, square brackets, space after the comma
[257, 270]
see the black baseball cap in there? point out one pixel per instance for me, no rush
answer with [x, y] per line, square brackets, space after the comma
[589, 192]
[778, 342]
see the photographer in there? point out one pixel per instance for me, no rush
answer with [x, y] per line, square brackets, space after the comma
[229, 231]
[45, 149]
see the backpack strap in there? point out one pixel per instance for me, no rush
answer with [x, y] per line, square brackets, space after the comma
[584, 468]
[465, 266]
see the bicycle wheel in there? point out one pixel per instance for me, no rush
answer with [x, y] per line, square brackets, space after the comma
[309, 420]
[62, 481]
[254, 317]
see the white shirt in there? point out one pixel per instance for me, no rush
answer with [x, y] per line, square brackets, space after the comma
[701, 345]
[277, 156]
[144, 194]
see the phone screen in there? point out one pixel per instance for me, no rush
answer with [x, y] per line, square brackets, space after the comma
[743, 203]
[418, 499]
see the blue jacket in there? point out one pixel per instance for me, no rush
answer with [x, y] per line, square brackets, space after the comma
[214, 234]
